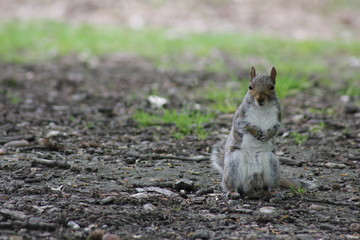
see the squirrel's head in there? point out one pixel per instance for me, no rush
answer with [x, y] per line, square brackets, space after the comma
[262, 87]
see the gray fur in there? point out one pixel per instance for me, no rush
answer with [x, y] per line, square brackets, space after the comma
[245, 158]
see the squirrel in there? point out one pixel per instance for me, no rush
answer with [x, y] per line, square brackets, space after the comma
[246, 157]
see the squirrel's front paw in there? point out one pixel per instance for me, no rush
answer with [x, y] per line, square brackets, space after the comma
[257, 133]
[263, 138]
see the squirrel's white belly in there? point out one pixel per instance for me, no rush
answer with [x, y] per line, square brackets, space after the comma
[264, 118]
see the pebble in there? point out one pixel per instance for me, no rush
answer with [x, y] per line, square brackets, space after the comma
[304, 236]
[73, 225]
[14, 237]
[202, 234]
[185, 184]
[107, 200]
[149, 207]
[354, 198]
[298, 118]
[156, 101]
[233, 203]
[351, 237]
[18, 143]
[109, 236]
[326, 226]
[35, 220]
[3, 151]
[267, 210]
[140, 195]
[251, 236]
[335, 165]
[53, 133]
[160, 190]
[355, 227]
[243, 210]
[316, 207]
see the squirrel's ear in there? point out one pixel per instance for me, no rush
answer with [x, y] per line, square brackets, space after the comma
[273, 75]
[252, 73]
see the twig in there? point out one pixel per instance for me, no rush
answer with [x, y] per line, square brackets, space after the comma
[290, 162]
[50, 163]
[36, 147]
[13, 214]
[326, 201]
[5, 139]
[147, 156]
[32, 226]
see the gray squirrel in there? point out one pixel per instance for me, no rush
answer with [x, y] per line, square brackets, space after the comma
[246, 157]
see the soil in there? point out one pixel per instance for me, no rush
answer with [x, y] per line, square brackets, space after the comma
[75, 164]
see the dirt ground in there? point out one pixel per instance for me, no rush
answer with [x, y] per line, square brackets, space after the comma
[75, 165]
[86, 164]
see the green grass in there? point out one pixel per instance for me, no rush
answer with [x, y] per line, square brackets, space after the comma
[225, 100]
[298, 62]
[300, 138]
[186, 122]
[298, 191]
[318, 127]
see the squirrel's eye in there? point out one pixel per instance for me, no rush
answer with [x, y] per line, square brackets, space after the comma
[272, 87]
[250, 87]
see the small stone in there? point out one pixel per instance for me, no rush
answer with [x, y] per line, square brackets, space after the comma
[160, 190]
[345, 99]
[280, 153]
[202, 234]
[149, 207]
[267, 210]
[352, 237]
[330, 165]
[109, 236]
[53, 133]
[304, 236]
[354, 198]
[107, 200]
[243, 210]
[15, 237]
[326, 226]
[73, 225]
[355, 227]
[233, 203]
[340, 165]
[156, 101]
[297, 118]
[140, 195]
[335, 165]
[3, 151]
[185, 184]
[316, 207]
[252, 236]
[19, 143]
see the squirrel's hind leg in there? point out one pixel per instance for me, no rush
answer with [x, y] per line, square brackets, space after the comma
[271, 170]
[234, 173]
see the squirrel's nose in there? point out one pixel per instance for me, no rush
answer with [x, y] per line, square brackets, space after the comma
[260, 100]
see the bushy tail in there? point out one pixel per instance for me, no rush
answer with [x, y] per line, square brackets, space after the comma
[217, 155]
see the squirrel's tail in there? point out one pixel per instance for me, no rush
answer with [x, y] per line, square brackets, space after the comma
[217, 155]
